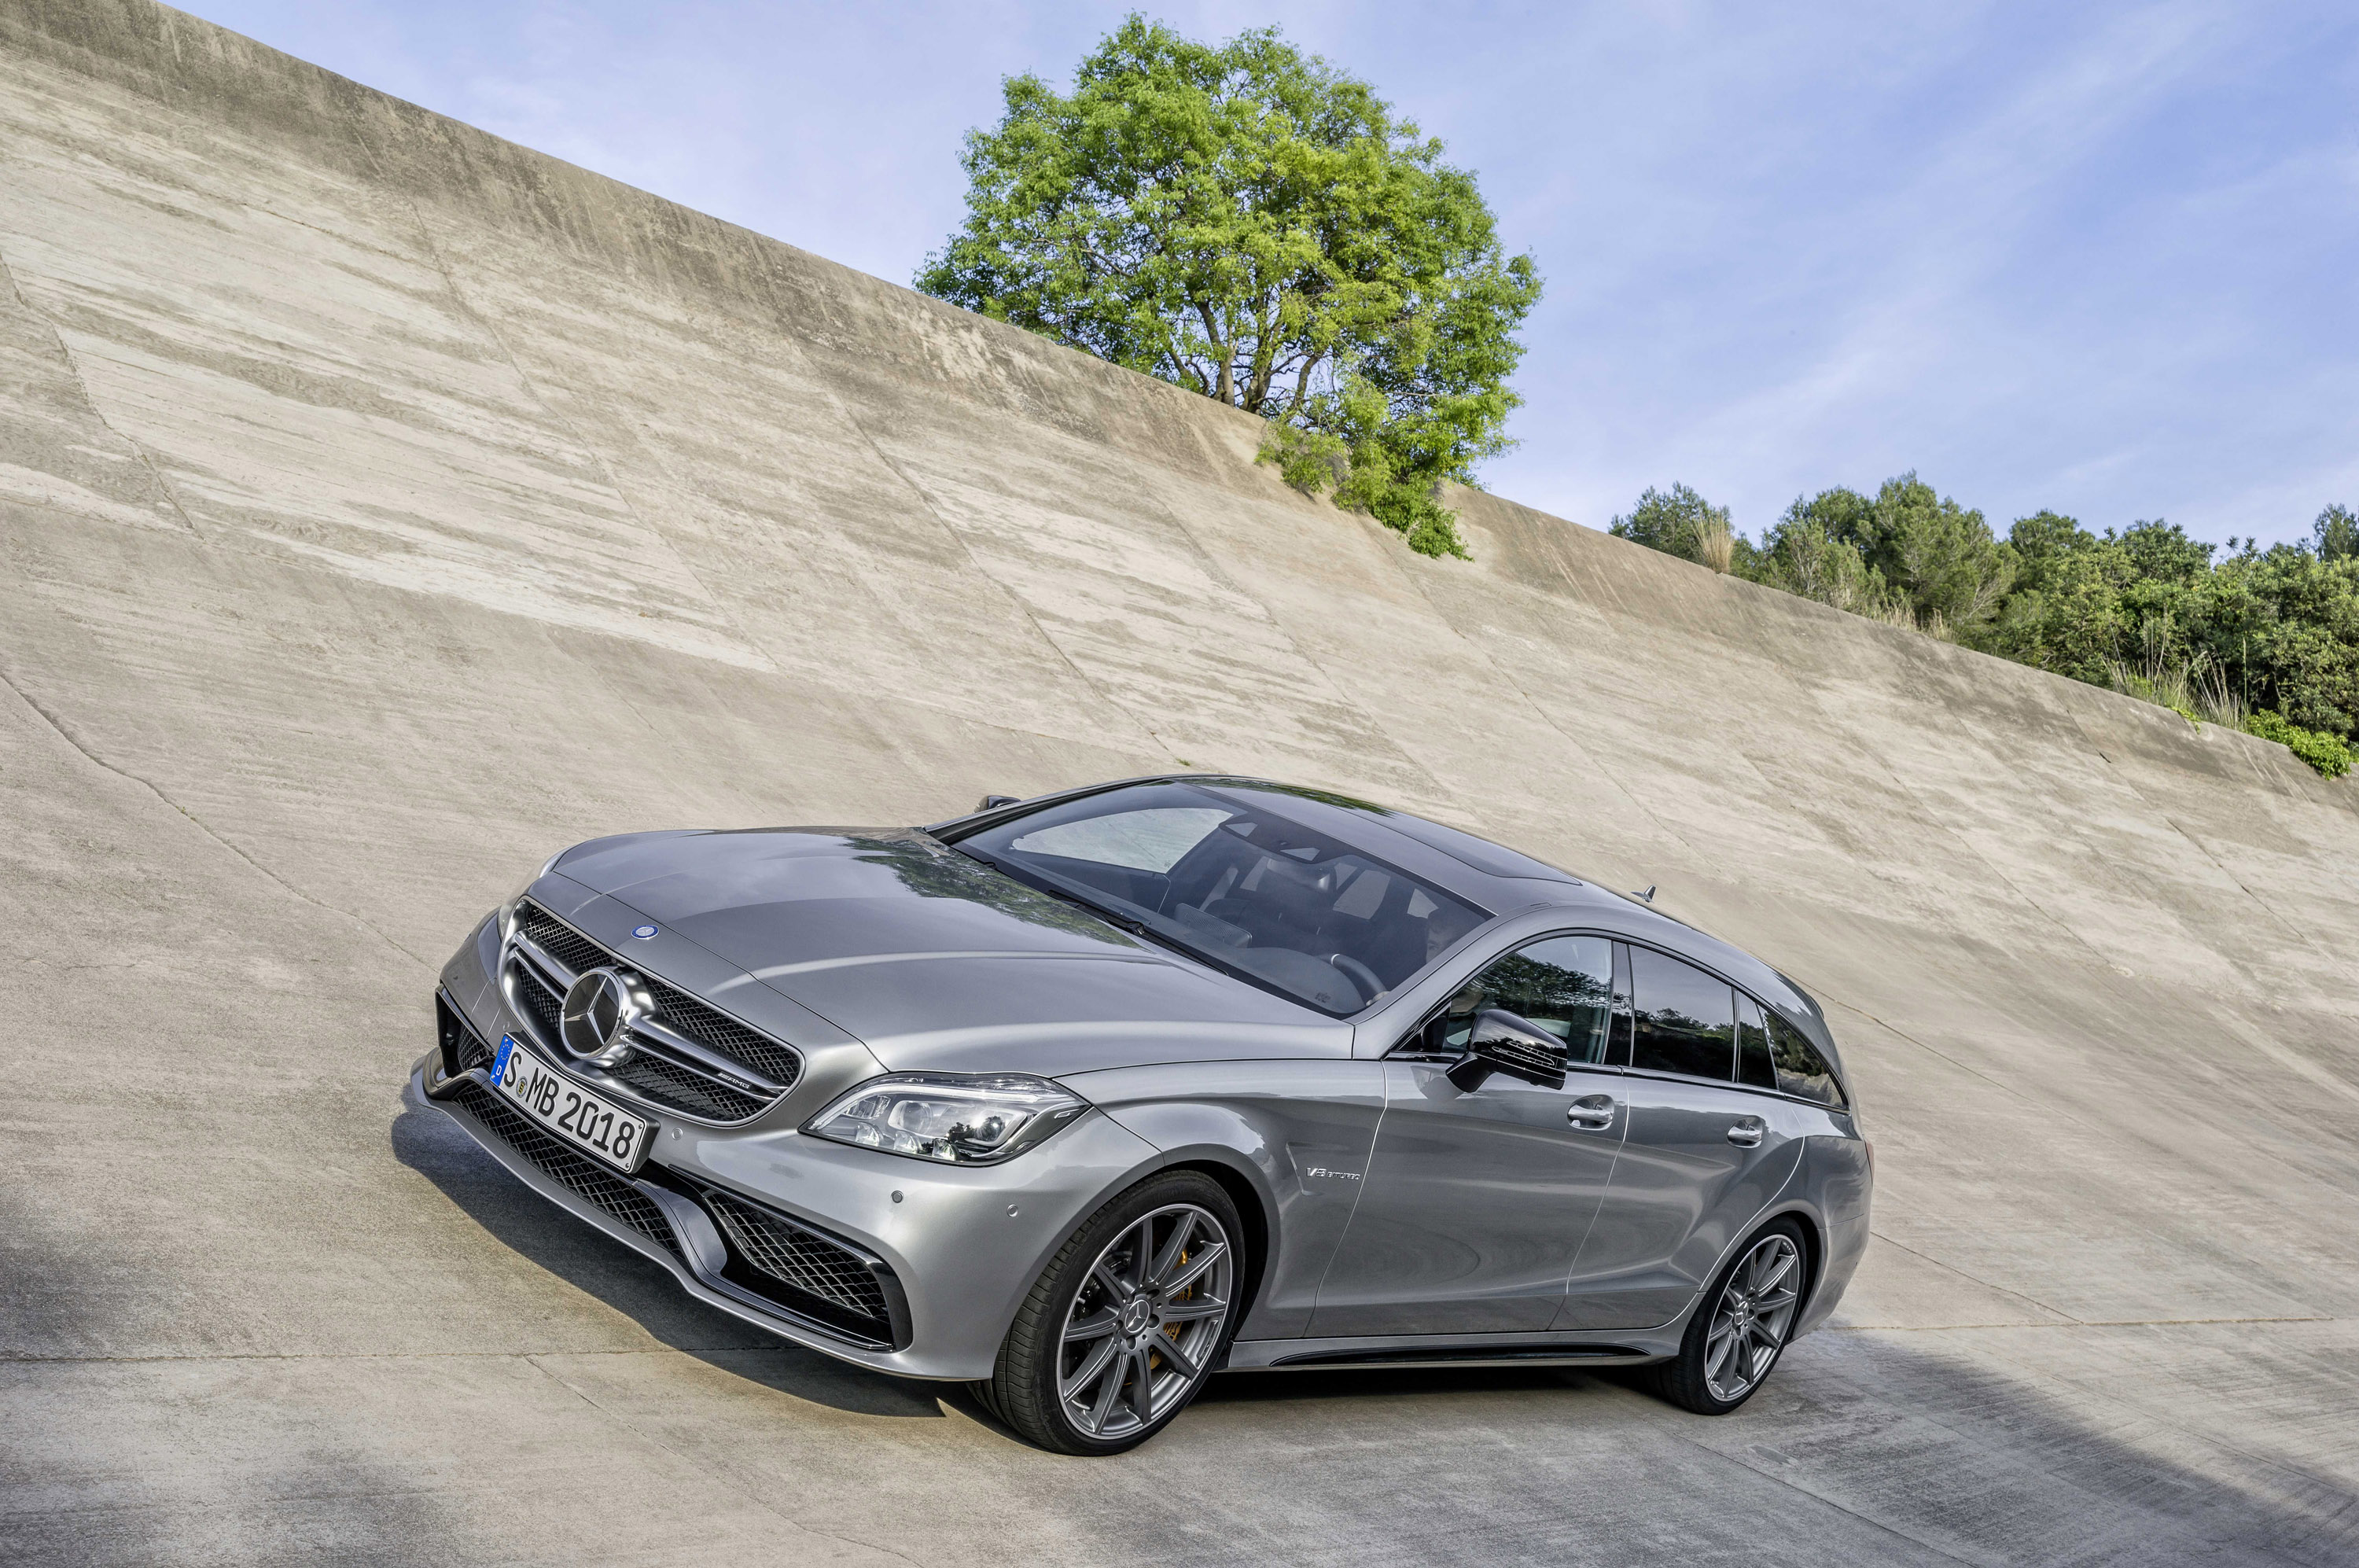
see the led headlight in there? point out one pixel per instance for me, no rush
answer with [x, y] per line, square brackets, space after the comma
[956, 1117]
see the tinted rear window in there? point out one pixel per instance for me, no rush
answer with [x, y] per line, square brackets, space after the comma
[1686, 1019]
[1802, 1069]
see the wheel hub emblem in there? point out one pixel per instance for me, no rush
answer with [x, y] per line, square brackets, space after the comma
[1137, 1313]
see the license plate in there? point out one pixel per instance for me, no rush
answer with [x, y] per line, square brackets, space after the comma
[569, 1110]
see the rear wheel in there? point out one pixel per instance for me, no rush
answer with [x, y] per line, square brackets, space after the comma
[1126, 1321]
[1737, 1334]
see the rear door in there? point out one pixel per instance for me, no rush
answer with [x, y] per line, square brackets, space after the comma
[1474, 1203]
[1703, 1154]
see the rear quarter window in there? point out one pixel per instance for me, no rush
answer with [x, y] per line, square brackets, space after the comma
[1802, 1069]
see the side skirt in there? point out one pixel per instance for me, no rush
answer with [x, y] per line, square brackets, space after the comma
[1449, 1350]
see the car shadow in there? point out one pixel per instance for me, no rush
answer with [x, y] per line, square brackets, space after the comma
[596, 1264]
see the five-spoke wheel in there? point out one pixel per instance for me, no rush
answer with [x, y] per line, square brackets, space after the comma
[1126, 1322]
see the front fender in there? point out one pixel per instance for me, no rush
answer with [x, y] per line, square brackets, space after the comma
[1299, 1132]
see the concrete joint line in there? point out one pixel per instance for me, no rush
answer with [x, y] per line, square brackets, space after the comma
[1823, 1500]
[1962, 1274]
[540, 400]
[67, 735]
[2046, 1107]
[2130, 784]
[926, 500]
[82, 381]
[2073, 1323]
[1508, 679]
[1213, 569]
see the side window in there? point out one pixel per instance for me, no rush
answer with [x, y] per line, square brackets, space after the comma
[1564, 984]
[1801, 1069]
[1753, 1063]
[1686, 1019]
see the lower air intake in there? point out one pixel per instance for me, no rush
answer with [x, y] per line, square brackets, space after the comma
[578, 1173]
[798, 1267]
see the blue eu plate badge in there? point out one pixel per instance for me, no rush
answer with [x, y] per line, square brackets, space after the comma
[500, 1062]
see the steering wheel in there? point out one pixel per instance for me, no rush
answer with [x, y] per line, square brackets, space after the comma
[1361, 975]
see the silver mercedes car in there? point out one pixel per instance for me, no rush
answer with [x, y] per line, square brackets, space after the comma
[1083, 1098]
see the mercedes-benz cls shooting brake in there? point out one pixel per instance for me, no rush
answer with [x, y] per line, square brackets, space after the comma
[1086, 1097]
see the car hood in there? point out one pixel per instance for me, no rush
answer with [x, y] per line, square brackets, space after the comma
[935, 961]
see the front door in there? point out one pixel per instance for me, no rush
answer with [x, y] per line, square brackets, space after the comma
[1474, 1203]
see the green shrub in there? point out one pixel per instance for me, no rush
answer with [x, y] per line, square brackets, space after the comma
[2328, 754]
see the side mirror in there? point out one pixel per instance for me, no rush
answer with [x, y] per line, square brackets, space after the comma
[1501, 1042]
[993, 802]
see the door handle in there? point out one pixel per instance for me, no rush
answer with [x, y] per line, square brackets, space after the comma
[1747, 1133]
[1592, 1112]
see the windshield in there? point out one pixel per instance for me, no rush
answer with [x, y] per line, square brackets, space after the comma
[1242, 888]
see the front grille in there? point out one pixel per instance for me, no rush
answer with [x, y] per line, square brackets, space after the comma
[649, 1073]
[565, 944]
[542, 1008]
[578, 1173]
[657, 1078]
[798, 1267]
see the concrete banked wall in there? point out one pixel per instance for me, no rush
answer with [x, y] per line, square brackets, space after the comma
[384, 504]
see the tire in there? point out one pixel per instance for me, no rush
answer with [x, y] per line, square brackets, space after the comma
[1119, 1334]
[1742, 1327]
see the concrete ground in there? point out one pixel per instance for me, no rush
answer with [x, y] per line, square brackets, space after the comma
[383, 506]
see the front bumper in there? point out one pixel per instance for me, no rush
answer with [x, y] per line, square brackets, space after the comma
[951, 1250]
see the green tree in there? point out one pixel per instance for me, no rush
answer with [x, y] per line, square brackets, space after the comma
[2065, 611]
[1251, 223]
[2337, 533]
[1814, 553]
[1940, 558]
[1680, 522]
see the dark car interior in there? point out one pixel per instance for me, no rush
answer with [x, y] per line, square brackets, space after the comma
[1246, 890]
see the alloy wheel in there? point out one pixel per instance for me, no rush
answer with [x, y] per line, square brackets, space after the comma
[1147, 1322]
[1750, 1320]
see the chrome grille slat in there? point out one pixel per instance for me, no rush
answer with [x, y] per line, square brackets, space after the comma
[545, 966]
[684, 1063]
[693, 1056]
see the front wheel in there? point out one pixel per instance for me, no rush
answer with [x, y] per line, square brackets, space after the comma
[1126, 1321]
[1737, 1335]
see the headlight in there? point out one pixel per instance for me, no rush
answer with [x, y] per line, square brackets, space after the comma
[955, 1117]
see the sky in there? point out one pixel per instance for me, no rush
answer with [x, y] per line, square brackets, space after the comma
[2102, 258]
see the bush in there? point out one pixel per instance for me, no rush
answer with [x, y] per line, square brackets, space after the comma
[2330, 755]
